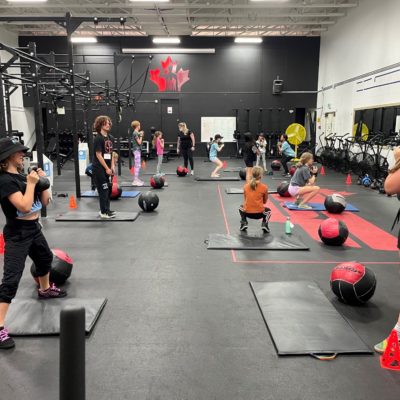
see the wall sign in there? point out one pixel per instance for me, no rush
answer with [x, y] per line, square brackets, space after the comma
[169, 110]
[168, 78]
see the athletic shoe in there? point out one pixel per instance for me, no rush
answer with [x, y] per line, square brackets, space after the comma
[53, 292]
[215, 176]
[112, 214]
[105, 215]
[137, 183]
[243, 225]
[304, 207]
[298, 201]
[5, 341]
[265, 227]
[191, 172]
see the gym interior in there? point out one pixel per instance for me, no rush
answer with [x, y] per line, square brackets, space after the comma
[181, 292]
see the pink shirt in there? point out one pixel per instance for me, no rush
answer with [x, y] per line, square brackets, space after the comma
[159, 148]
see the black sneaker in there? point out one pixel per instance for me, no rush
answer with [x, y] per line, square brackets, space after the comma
[111, 212]
[53, 292]
[243, 225]
[6, 342]
[265, 227]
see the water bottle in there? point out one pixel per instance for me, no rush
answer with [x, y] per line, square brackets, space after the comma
[288, 226]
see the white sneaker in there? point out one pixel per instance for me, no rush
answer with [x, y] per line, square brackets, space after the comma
[191, 172]
[137, 183]
[105, 215]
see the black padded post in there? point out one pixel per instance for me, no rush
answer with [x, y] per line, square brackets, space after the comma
[72, 354]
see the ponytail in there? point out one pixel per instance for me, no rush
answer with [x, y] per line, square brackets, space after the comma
[253, 183]
[256, 176]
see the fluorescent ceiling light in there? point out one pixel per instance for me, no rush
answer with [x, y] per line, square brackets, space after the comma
[166, 40]
[83, 39]
[172, 50]
[248, 40]
[26, 1]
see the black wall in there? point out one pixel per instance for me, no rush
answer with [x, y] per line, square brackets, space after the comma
[236, 76]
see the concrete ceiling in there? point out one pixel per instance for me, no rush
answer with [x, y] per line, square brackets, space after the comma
[178, 17]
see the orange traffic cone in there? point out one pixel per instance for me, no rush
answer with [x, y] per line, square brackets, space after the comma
[322, 171]
[143, 164]
[348, 180]
[72, 202]
[1, 244]
[391, 357]
[132, 171]
[224, 164]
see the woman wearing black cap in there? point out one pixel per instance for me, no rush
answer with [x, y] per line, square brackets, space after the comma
[21, 199]
[215, 148]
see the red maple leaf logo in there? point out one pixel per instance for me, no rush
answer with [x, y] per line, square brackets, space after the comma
[170, 79]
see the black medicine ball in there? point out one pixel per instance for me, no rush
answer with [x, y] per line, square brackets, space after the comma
[182, 171]
[353, 283]
[148, 201]
[283, 189]
[335, 204]
[157, 181]
[242, 174]
[276, 165]
[61, 267]
[333, 232]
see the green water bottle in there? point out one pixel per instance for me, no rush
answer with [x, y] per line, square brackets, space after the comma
[288, 226]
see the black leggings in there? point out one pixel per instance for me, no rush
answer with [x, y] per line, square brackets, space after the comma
[265, 215]
[102, 182]
[285, 160]
[22, 239]
[187, 154]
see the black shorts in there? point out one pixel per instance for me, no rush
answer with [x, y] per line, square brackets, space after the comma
[249, 163]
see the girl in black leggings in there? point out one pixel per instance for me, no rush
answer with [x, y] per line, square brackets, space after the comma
[22, 199]
[186, 145]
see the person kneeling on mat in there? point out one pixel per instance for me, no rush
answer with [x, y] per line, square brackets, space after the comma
[255, 197]
[22, 197]
[215, 148]
[392, 186]
[302, 182]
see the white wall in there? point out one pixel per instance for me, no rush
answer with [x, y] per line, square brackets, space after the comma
[22, 118]
[366, 40]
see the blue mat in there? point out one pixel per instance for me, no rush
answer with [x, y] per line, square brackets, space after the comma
[125, 194]
[317, 207]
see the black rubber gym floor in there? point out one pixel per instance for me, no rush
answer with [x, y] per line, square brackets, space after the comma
[181, 321]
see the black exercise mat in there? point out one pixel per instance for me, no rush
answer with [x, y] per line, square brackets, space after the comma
[301, 320]
[34, 317]
[233, 169]
[146, 185]
[240, 191]
[262, 241]
[84, 216]
[220, 179]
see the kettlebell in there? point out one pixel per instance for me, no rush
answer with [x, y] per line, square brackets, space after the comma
[43, 183]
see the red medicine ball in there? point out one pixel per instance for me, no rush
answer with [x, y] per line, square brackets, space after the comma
[353, 283]
[182, 171]
[333, 232]
[157, 181]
